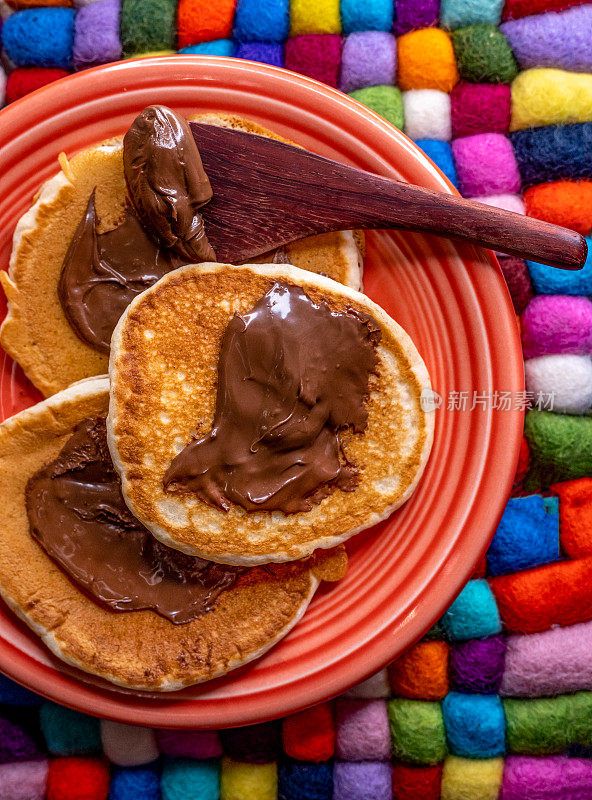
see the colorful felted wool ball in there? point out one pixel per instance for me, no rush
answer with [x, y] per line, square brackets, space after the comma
[426, 61]
[441, 154]
[479, 108]
[362, 730]
[560, 450]
[69, 732]
[77, 779]
[368, 59]
[459, 13]
[240, 781]
[147, 25]
[360, 15]
[550, 97]
[536, 665]
[518, 281]
[565, 379]
[385, 100]
[550, 778]
[514, 9]
[135, 783]
[412, 15]
[483, 55]
[23, 80]
[547, 725]
[523, 466]
[475, 725]
[15, 744]
[566, 203]
[554, 152]
[576, 282]
[485, 165]
[314, 16]
[263, 52]
[219, 47]
[96, 36]
[507, 202]
[427, 114]
[416, 783]
[472, 779]
[40, 37]
[202, 21]
[575, 512]
[473, 614]
[2, 86]
[369, 780]
[417, 731]
[23, 780]
[557, 324]
[553, 40]
[256, 744]
[477, 666]
[375, 687]
[310, 734]
[128, 745]
[305, 781]
[185, 779]
[527, 536]
[262, 20]
[421, 673]
[315, 55]
[189, 744]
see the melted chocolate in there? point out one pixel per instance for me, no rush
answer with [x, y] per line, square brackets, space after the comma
[167, 182]
[292, 375]
[103, 272]
[78, 515]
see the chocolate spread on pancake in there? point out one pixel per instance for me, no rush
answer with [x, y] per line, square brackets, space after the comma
[292, 376]
[167, 182]
[103, 272]
[78, 515]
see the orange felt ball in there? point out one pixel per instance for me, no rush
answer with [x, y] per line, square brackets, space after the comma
[204, 20]
[567, 203]
[310, 735]
[426, 61]
[537, 599]
[575, 516]
[77, 779]
[422, 672]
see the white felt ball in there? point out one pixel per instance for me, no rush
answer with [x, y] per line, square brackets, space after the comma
[507, 202]
[567, 378]
[128, 745]
[427, 114]
[375, 687]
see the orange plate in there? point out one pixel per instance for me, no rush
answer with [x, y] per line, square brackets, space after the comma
[450, 298]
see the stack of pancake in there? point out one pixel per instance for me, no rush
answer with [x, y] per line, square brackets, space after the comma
[171, 520]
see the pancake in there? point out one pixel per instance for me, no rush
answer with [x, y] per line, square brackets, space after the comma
[164, 377]
[133, 649]
[36, 332]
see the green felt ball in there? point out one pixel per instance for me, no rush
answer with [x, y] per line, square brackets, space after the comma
[385, 100]
[67, 732]
[417, 731]
[484, 55]
[560, 448]
[544, 726]
[147, 25]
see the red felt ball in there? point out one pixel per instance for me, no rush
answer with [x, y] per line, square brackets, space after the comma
[77, 779]
[513, 9]
[416, 783]
[26, 79]
[310, 735]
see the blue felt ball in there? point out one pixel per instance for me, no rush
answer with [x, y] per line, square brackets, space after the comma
[460, 13]
[578, 282]
[69, 732]
[301, 781]
[186, 779]
[135, 783]
[11, 694]
[40, 37]
[441, 154]
[527, 536]
[362, 15]
[263, 52]
[474, 613]
[262, 20]
[475, 725]
[219, 47]
[552, 152]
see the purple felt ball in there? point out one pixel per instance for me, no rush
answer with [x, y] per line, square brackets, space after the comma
[15, 744]
[263, 52]
[557, 324]
[485, 164]
[411, 15]
[362, 730]
[257, 744]
[96, 34]
[189, 744]
[369, 58]
[518, 281]
[368, 780]
[478, 665]
[556, 778]
[317, 55]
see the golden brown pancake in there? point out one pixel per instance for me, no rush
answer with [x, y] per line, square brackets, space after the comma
[137, 649]
[36, 332]
[163, 370]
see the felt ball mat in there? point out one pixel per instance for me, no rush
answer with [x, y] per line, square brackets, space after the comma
[496, 700]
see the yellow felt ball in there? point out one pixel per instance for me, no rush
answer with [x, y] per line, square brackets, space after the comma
[241, 781]
[550, 97]
[153, 54]
[426, 61]
[314, 16]
[471, 779]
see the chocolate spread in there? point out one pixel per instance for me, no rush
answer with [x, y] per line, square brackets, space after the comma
[292, 376]
[103, 272]
[78, 515]
[166, 181]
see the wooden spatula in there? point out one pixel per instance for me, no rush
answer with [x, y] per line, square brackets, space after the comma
[267, 193]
